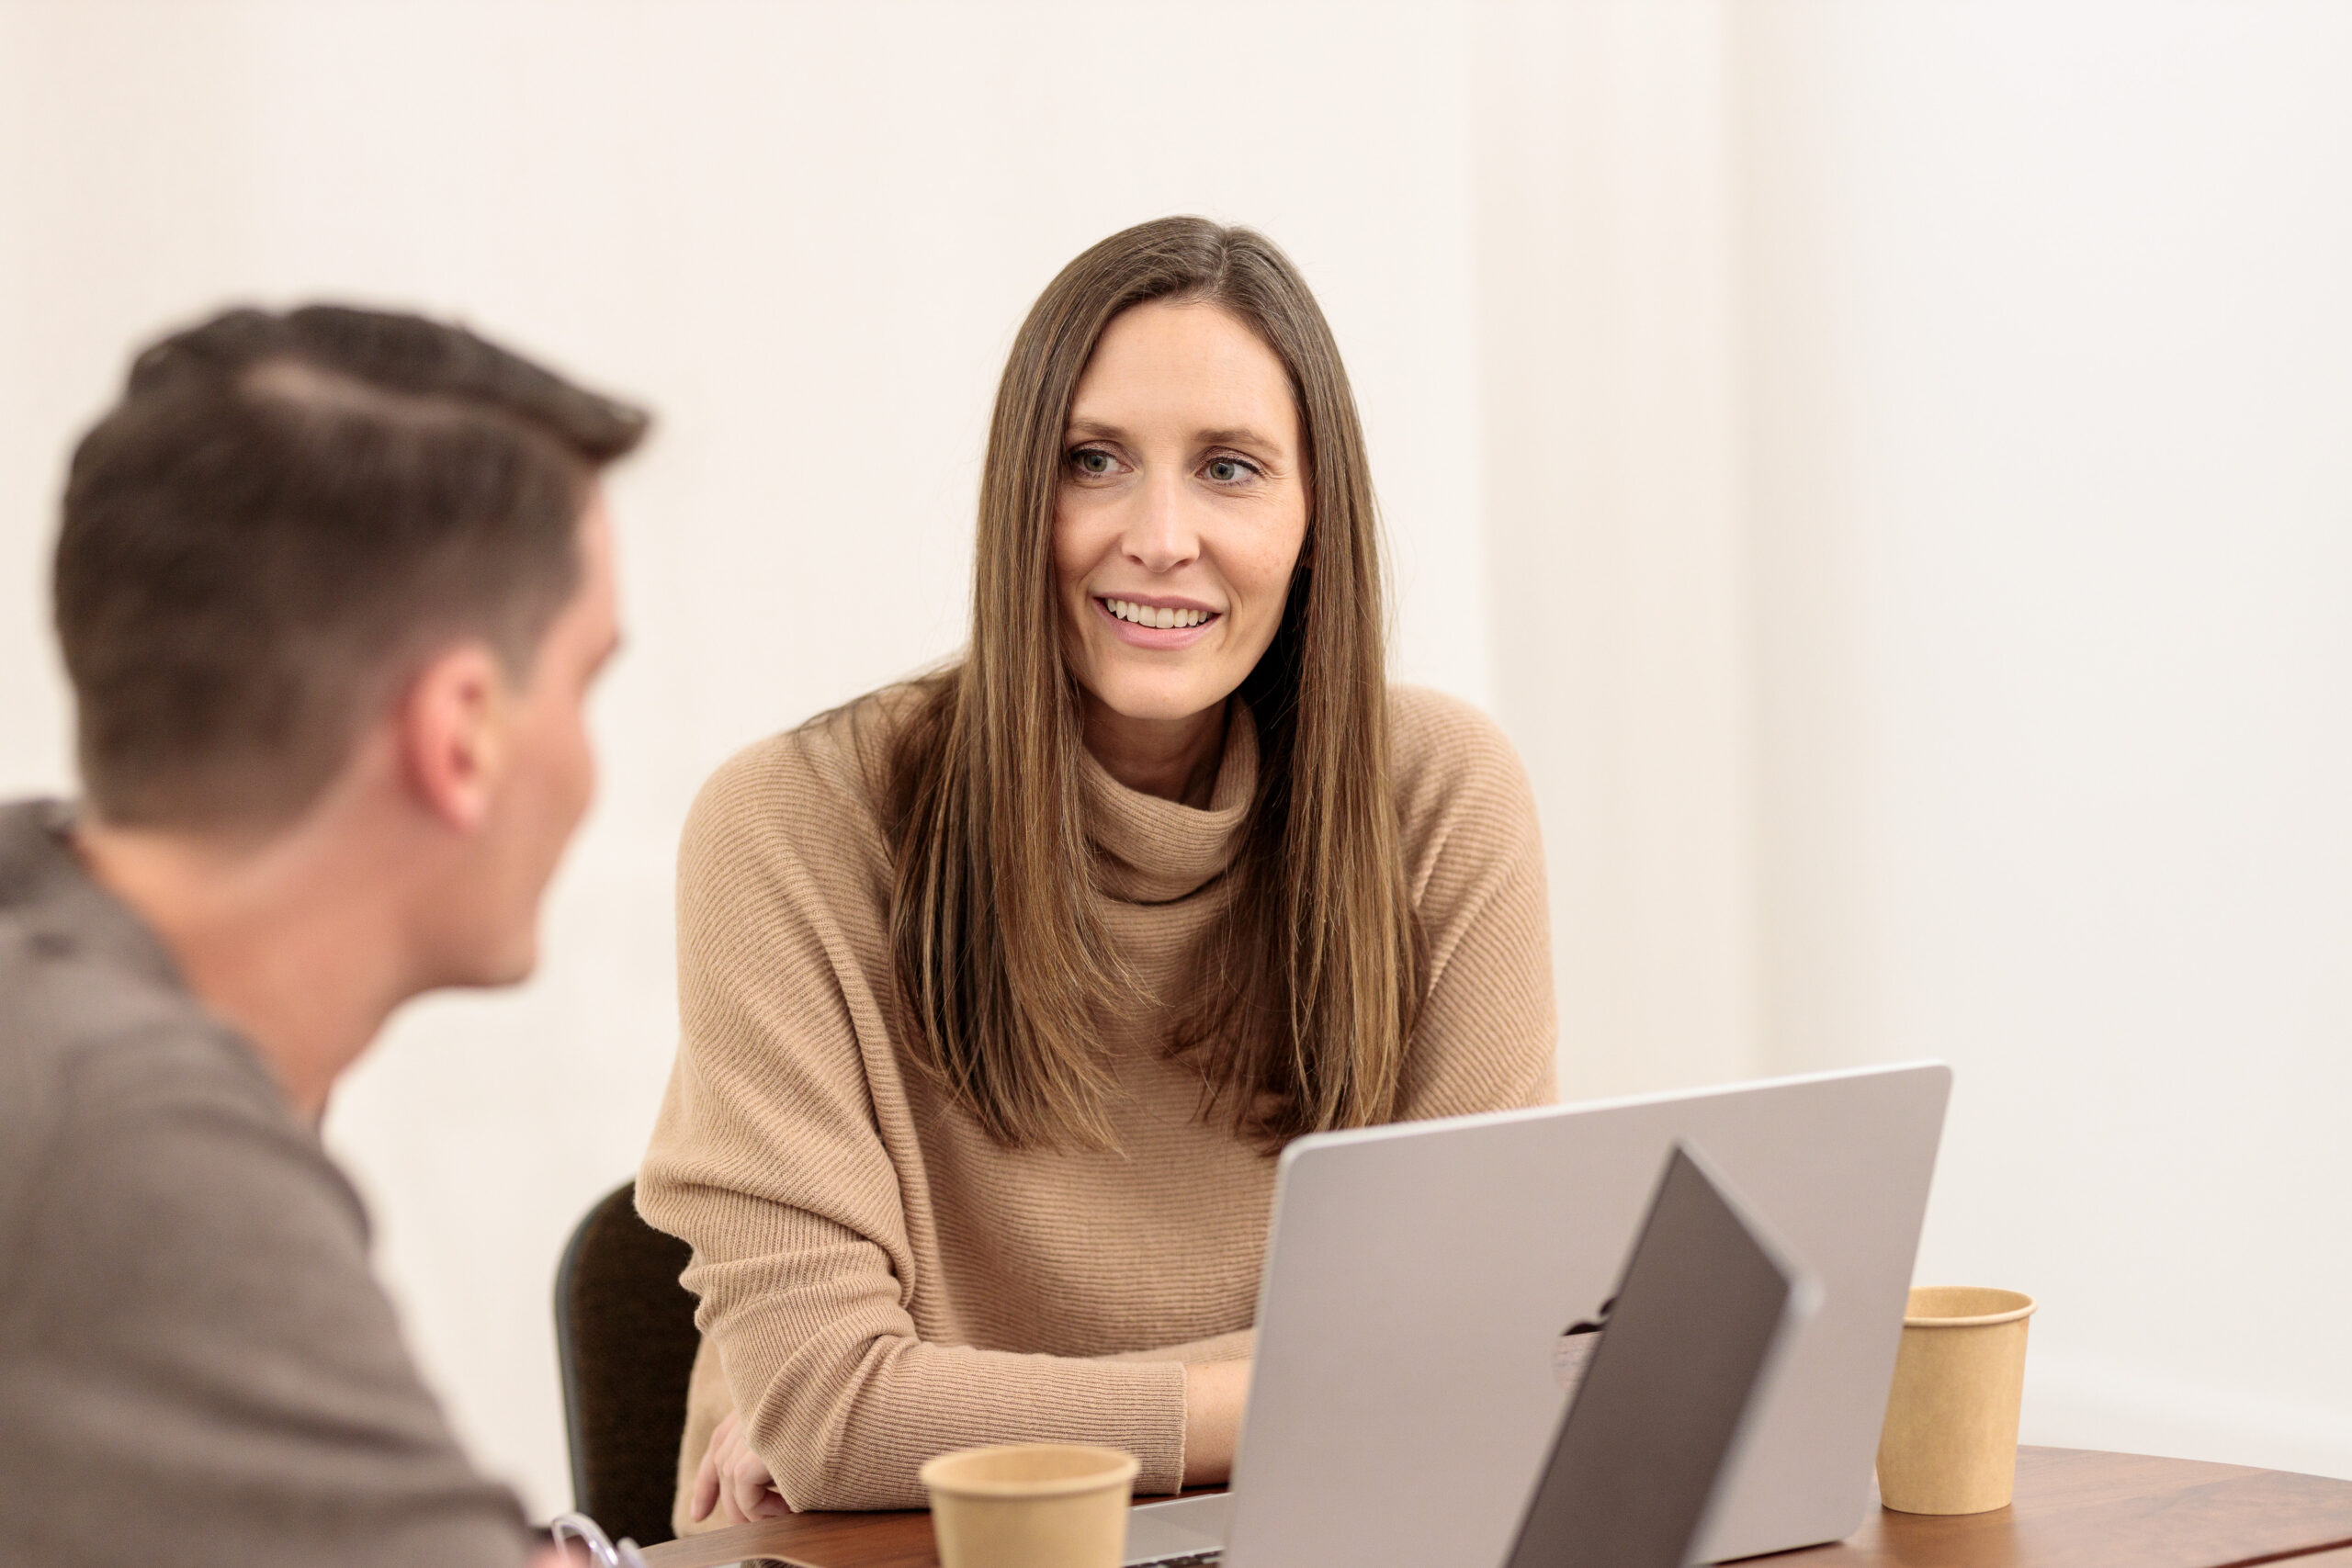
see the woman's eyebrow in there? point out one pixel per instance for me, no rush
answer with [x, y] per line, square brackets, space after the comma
[1229, 435]
[1238, 435]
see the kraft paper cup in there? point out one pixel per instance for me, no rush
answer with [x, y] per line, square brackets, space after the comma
[1031, 1505]
[1950, 1445]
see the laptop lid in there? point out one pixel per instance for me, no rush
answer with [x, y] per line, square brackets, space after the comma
[1409, 1378]
[1689, 1338]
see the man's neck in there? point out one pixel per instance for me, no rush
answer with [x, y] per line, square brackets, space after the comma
[269, 937]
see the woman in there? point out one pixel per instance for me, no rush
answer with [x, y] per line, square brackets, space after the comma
[1000, 990]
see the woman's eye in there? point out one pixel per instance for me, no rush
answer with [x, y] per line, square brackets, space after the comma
[1093, 462]
[1228, 470]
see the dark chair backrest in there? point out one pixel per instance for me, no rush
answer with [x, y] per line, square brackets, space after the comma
[624, 1333]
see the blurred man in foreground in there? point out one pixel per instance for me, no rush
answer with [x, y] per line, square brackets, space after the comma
[332, 588]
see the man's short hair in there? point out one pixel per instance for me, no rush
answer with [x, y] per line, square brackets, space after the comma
[282, 516]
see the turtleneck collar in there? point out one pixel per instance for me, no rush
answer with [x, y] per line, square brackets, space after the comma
[1156, 851]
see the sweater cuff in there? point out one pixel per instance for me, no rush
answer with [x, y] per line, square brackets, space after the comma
[1159, 1451]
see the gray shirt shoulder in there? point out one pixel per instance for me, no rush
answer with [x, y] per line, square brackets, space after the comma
[197, 1362]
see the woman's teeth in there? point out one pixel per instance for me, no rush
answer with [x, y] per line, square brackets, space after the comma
[1161, 617]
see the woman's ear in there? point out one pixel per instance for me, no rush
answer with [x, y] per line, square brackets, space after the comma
[451, 728]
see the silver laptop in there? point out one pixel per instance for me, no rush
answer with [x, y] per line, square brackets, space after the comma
[1707, 1302]
[1424, 1283]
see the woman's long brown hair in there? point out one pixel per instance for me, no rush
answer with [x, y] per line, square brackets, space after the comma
[1310, 981]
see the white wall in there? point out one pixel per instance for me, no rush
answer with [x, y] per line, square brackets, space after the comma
[2048, 382]
[1886, 466]
[1616, 570]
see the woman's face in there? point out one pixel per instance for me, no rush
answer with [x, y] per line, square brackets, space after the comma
[1181, 510]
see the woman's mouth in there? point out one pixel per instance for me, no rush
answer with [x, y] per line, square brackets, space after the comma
[1155, 626]
[1165, 617]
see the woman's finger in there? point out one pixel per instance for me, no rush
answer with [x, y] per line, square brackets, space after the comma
[750, 1488]
[713, 1454]
[706, 1489]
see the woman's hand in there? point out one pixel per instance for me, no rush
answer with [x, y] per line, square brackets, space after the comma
[1215, 1393]
[735, 1480]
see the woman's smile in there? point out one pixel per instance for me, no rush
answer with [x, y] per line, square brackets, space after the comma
[1156, 623]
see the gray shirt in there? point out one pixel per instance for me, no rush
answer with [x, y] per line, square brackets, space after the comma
[196, 1364]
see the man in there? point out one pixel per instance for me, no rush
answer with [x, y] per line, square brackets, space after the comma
[332, 588]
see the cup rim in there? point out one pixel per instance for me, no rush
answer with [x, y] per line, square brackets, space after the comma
[1117, 1469]
[1974, 1320]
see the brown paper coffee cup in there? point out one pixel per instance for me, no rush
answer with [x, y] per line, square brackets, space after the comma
[1031, 1505]
[1950, 1445]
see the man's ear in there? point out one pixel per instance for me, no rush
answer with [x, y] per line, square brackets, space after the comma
[452, 734]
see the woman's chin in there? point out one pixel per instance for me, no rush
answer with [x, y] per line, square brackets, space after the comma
[1159, 702]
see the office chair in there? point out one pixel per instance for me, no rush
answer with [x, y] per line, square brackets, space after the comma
[624, 1335]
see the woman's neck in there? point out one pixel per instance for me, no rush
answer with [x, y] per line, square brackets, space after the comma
[1174, 758]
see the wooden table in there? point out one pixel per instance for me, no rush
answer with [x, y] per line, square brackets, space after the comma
[2075, 1509]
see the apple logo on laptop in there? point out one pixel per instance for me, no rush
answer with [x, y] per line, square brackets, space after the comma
[1574, 1348]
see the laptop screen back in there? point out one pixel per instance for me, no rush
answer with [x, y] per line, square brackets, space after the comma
[1646, 1439]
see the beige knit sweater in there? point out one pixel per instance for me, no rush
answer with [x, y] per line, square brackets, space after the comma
[878, 1279]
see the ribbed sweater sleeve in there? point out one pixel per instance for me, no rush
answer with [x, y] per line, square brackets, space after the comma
[1475, 856]
[770, 1158]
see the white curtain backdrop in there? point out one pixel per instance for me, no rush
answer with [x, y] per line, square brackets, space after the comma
[1887, 467]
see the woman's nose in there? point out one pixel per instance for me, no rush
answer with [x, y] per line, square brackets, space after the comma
[1161, 535]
